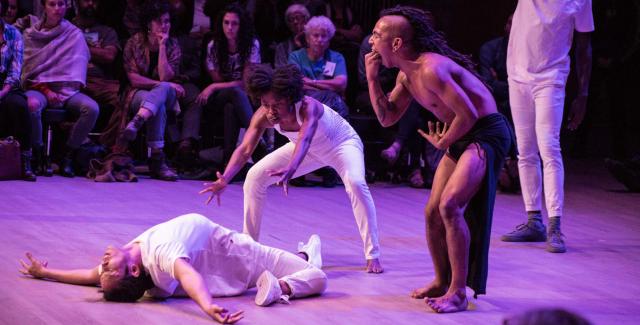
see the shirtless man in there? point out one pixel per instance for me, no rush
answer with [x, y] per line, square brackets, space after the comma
[475, 136]
[318, 137]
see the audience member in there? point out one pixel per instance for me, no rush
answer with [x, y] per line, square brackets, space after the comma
[324, 70]
[232, 49]
[11, 12]
[102, 84]
[296, 17]
[152, 61]
[546, 316]
[56, 57]
[14, 113]
[626, 171]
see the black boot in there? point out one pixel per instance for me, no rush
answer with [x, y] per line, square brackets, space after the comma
[27, 173]
[66, 166]
[131, 130]
[159, 169]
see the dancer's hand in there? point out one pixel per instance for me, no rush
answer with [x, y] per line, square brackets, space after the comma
[37, 269]
[576, 114]
[222, 316]
[285, 175]
[372, 61]
[216, 188]
[435, 135]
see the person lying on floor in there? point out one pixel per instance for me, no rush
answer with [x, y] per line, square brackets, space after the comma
[182, 257]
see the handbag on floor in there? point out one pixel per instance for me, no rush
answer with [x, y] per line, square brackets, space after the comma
[10, 159]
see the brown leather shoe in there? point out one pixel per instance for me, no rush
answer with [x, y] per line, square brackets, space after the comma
[158, 168]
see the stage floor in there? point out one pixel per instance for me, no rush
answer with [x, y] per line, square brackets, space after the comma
[69, 222]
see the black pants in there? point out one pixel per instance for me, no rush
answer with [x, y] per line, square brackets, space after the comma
[14, 118]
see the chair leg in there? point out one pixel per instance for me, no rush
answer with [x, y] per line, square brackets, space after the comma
[48, 171]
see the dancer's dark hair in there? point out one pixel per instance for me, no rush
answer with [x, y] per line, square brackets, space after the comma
[285, 82]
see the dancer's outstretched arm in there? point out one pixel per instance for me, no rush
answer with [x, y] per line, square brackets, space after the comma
[39, 270]
[240, 155]
[193, 284]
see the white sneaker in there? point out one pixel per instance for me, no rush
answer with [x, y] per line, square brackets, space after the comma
[312, 249]
[268, 289]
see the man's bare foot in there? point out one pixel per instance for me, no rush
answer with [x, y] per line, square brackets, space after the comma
[431, 290]
[392, 153]
[373, 266]
[451, 302]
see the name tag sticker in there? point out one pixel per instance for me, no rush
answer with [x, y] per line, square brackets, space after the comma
[329, 69]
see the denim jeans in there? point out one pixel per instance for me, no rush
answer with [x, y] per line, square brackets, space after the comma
[157, 100]
[79, 104]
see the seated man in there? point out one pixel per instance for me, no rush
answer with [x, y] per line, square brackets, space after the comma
[183, 257]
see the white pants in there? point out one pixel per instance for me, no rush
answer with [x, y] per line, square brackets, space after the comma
[537, 116]
[303, 278]
[347, 159]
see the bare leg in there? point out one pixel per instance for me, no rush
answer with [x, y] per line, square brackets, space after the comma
[436, 234]
[463, 183]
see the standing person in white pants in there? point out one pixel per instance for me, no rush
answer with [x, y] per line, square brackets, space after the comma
[319, 137]
[190, 255]
[538, 65]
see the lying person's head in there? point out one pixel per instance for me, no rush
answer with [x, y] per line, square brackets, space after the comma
[122, 279]
[276, 89]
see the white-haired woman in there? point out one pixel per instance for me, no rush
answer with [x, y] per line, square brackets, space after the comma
[296, 17]
[324, 70]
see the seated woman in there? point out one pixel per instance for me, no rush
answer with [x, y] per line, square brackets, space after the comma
[232, 49]
[324, 70]
[55, 69]
[296, 17]
[14, 114]
[151, 61]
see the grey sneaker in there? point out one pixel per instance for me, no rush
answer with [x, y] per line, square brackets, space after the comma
[555, 241]
[527, 232]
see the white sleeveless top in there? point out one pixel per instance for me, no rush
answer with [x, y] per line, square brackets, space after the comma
[332, 130]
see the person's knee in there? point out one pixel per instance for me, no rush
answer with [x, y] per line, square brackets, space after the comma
[450, 207]
[34, 105]
[164, 86]
[256, 178]
[91, 109]
[355, 184]
[432, 215]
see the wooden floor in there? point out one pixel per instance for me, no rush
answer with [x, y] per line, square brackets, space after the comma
[69, 222]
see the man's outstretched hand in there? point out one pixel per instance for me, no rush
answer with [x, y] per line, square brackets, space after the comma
[222, 315]
[35, 269]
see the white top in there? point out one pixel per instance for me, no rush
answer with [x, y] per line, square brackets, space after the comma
[332, 130]
[541, 37]
[224, 258]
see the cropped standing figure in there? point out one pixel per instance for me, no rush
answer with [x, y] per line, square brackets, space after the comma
[538, 66]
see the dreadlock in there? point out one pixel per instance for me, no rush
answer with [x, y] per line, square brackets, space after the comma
[426, 38]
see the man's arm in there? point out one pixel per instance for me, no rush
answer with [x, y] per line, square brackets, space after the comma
[193, 284]
[389, 109]
[439, 80]
[583, 73]
[103, 54]
[38, 269]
